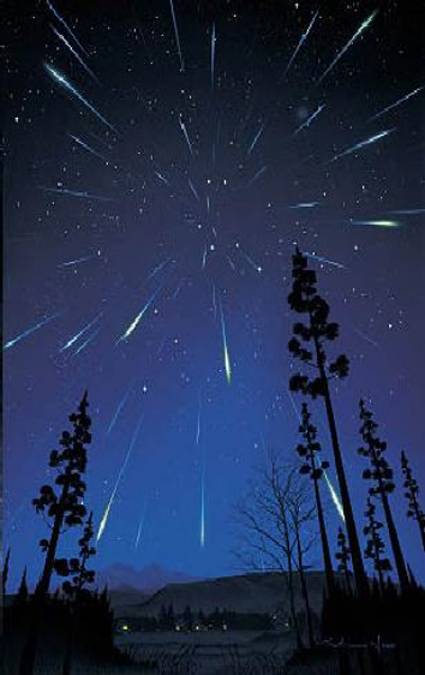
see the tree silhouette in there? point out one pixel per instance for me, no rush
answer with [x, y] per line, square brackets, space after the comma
[343, 555]
[314, 468]
[375, 546]
[77, 567]
[381, 475]
[5, 572]
[65, 507]
[22, 594]
[411, 493]
[317, 331]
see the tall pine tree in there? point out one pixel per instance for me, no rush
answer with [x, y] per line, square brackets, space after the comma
[314, 467]
[381, 475]
[411, 487]
[315, 333]
[375, 547]
[343, 555]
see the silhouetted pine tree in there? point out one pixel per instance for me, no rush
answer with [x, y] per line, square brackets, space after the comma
[304, 299]
[314, 468]
[5, 572]
[22, 594]
[64, 507]
[375, 547]
[77, 567]
[382, 476]
[411, 493]
[343, 555]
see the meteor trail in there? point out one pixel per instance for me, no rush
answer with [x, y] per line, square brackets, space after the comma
[309, 120]
[366, 337]
[139, 317]
[120, 406]
[67, 44]
[256, 138]
[214, 301]
[105, 516]
[159, 267]
[396, 103]
[141, 525]
[366, 23]
[304, 205]
[80, 333]
[335, 498]
[77, 261]
[363, 144]
[66, 84]
[376, 223]
[300, 43]
[161, 177]
[88, 148]
[193, 189]
[63, 22]
[227, 364]
[249, 260]
[204, 258]
[186, 135]
[176, 32]
[408, 212]
[313, 256]
[213, 40]
[86, 342]
[257, 175]
[21, 336]
[76, 193]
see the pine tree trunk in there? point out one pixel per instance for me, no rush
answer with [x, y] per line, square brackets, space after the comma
[356, 556]
[395, 544]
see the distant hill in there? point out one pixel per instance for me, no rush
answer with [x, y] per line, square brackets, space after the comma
[259, 592]
[147, 580]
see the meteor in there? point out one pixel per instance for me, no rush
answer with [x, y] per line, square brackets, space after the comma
[63, 22]
[106, 513]
[335, 498]
[363, 144]
[193, 189]
[77, 261]
[88, 148]
[214, 301]
[408, 212]
[66, 84]
[396, 103]
[376, 223]
[67, 44]
[32, 329]
[249, 260]
[256, 138]
[231, 263]
[257, 175]
[309, 120]
[86, 342]
[141, 525]
[313, 256]
[158, 268]
[80, 333]
[176, 32]
[204, 258]
[213, 41]
[76, 193]
[303, 38]
[186, 135]
[227, 364]
[366, 337]
[120, 406]
[139, 317]
[161, 177]
[366, 23]
[304, 205]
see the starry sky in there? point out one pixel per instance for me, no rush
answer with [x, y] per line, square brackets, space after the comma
[161, 160]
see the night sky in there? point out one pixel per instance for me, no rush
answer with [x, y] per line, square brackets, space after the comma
[155, 185]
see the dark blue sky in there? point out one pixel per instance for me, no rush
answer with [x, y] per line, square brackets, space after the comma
[92, 213]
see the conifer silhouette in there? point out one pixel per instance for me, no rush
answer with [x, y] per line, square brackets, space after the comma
[411, 493]
[317, 331]
[343, 555]
[77, 567]
[5, 572]
[375, 547]
[314, 468]
[22, 594]
[381, 475]
[64, 507]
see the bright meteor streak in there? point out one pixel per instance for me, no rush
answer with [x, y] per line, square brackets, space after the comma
[186, 135]
[63, 22]
[226, 356]
[86, 342]
[304, 205]
[29, 331]
[396, 103]
[67, 44]
[309, 120]
[66, 84]
[141, 526]
[300, 43]
[105, 516]
[363, 144]
[213, 41]
[366, 23]
[76, 193]
[335, 498]
[120, 406]
[376, 223]
[77, 261]
[80, 333]
[132, 327]
[313, 256]
[176, 33]
[256, 139]
[88, 148]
